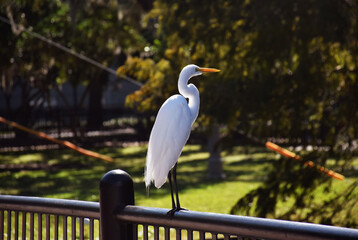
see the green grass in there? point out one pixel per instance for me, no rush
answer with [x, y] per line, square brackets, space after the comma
[245, 169]
[80, 179]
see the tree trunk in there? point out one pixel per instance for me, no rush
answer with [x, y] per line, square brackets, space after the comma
[95, 108]
[215, 162]
[95, 113]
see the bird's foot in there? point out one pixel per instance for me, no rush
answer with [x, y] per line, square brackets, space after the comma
[176, 209]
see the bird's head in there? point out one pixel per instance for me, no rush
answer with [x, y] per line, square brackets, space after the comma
[193, 70]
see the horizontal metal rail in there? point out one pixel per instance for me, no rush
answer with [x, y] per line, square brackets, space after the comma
[120, 219]
[27, 216]
[236, 225]
[50, 206]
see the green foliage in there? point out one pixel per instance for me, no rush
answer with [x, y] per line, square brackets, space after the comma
[292, 191]
[90, 28]
[288, 69]
[149, 97]
[285, 178]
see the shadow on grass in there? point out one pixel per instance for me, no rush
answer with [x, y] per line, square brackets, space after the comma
[250, 161]
[82, 180]
[193, 174]
[351, 172]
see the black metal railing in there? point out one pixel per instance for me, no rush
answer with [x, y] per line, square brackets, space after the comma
[215, 226]
[116, 217]
[125, 219]
[45, 218]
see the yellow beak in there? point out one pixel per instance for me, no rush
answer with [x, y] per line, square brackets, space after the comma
[206, 70]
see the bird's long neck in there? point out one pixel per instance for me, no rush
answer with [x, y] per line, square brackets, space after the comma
[190, 92]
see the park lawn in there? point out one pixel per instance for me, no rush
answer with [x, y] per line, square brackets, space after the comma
[78, 177]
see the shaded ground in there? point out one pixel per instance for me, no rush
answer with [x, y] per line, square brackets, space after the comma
[99, 138]
[37, 166]
[62, 173]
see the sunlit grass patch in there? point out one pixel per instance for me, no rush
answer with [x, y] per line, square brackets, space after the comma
[79, 176]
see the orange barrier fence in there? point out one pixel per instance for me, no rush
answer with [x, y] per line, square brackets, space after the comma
[311, 164]
[58, 141]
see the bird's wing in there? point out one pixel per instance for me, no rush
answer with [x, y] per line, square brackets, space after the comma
[170, 132]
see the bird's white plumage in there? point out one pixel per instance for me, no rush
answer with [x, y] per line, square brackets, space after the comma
[170, 132]
[172, 127]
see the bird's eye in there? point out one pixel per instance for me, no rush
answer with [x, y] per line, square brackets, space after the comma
[197, 69]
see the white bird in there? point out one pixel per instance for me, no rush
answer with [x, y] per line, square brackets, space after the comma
[171, 131]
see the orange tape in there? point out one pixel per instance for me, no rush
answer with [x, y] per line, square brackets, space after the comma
[282, 151]
[310, 164]
[58, 141]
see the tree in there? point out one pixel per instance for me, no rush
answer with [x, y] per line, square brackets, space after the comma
[21, 69]
[293, 191]
[91, 28]
[283, 73]
[182, 38]
[288, 71]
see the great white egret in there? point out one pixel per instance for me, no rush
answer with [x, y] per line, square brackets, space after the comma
[171, 131]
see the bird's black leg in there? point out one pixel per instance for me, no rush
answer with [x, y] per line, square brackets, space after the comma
[178, 208]
[171, 191]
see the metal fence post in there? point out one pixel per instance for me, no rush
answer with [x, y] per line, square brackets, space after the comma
[116, 191]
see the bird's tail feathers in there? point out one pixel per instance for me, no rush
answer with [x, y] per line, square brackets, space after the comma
[147, 179]
[147, 190]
